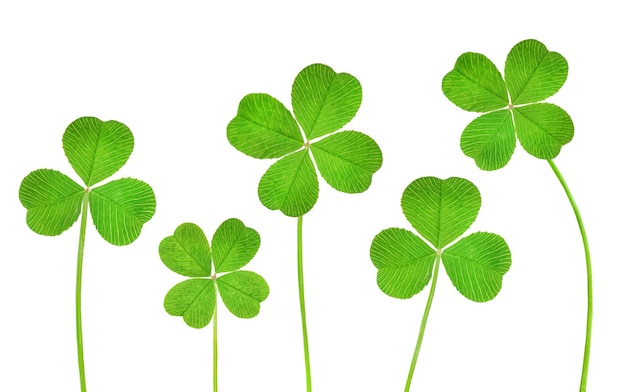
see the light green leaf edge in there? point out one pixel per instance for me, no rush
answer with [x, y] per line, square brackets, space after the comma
[120, 208]
[242, 292]
[542, 129]
[324, 101]
[490, 139]
[475, 84]
[194, 300]
[404, 262]
[290, 185]
[532, 73]
[234, 245]
[52, 201]
[476, 265]
[187, 252]
[264, 128]
[97, 149]
[441, 210]
[347, 160]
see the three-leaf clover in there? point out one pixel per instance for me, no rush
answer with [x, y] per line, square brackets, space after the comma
[531, 74]
[96, 150]
[323, 101]
[440, 211]
[119, 208]
[188, 253]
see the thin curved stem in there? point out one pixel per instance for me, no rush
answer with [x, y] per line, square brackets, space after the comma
[305, 335]
[579, 219]
[79, 274]
[423, 326]
[215, 348]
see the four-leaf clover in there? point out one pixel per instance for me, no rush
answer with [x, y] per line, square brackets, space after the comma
[323, 101]
[96, 150]
[531, 74]
[188, 253]
[440, 211]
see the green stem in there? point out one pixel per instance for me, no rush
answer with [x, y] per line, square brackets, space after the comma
[79, 274]
[215, 348]
[305, 336]
[579, 219]
[423, 326]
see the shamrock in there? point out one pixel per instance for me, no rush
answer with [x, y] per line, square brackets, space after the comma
[441, 211]
[323, 101]
[53, 201]
[531, 74]
[188, 253]
[96, 150]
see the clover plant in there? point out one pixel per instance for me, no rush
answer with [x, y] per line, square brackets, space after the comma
[440, 211]
[188, 253]
[323, 101]
[119, 208]
[513, 106]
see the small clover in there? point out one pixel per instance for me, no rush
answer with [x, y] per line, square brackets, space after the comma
[188, 253]
[440, 211]
[119, 208]
[512, 104]
[323, 101]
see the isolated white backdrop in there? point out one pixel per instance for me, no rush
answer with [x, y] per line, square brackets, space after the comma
[175, 74]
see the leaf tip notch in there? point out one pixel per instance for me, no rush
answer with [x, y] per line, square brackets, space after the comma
[52, 201]
[323, 100]
[480, 257]
[97, 149]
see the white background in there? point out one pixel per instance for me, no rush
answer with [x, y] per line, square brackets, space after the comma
[175, 74]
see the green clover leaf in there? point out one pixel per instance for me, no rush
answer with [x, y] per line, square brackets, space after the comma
[476, 265]
[52, 201]
[531, 74]
[323, 102]
[440, 211]
[96, 150]
[189, 253]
